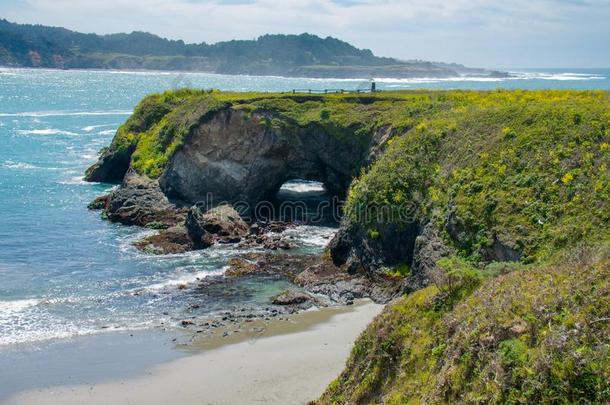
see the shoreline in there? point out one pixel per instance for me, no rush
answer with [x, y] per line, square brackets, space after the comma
[289, 362]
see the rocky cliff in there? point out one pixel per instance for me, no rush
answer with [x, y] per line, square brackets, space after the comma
[453, 194]
[454, 172]
[217, 148]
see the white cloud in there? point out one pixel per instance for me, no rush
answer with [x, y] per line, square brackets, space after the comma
[476, 32]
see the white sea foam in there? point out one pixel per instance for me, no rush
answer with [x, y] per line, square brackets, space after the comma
[146, 72]
[179, 279]
[9, 164]
[28, 336]
[311, 236]
[9, 309]
[42, 332]
[46, 131]
[63, 113]
[92, 127]
[398, 82]
[28, 321]
[107, 132]
[429, 80]
[568, 76]
[76, 180]
[303, 186]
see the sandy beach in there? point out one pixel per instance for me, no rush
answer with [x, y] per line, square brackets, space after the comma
[289, 364]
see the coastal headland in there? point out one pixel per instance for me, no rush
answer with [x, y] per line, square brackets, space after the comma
[481, 216]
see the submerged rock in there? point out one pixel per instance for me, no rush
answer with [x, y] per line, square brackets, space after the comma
[324, 278]
[316, 275]
[241, 266]
[291, 297]
[270, 264]
[169, 241]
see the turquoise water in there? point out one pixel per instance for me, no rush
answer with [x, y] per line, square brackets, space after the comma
[63, 271]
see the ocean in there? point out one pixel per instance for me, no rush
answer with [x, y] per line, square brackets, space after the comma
[64, 272]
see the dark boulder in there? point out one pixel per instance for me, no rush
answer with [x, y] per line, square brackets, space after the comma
[221, 223]
[140, 201]
[169, 241]
[391, 245]
[340, 247]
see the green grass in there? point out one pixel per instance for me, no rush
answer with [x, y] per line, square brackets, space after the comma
[400, 271]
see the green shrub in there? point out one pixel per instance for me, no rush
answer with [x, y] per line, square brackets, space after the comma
[402, 270]
[374, 234]
[513, 352]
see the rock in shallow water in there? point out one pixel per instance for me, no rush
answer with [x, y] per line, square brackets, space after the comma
[100, 203]
[140, 201]
[170, 241]
[221, 223]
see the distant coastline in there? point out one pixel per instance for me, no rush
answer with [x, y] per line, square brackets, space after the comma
[304, 55]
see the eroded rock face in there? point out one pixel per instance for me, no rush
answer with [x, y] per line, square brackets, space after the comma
[428, 249]
[393, 246]
[238, 157]
[111, 166]
[235, 157]
[500, 250]
[140, 201]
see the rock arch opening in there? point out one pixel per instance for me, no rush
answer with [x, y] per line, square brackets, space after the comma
[301, 201]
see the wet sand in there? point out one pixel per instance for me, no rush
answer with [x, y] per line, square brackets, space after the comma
[286, 362]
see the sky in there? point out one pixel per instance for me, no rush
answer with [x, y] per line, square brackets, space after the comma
[482, 33]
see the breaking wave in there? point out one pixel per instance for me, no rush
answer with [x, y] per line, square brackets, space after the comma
[46, 131]
[556, 76]
[9, 164]
[63, 113]
[90, 128]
